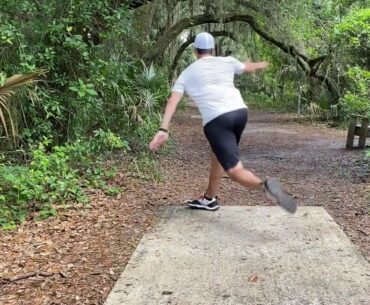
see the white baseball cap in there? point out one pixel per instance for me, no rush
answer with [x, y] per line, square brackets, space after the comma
[204, 41]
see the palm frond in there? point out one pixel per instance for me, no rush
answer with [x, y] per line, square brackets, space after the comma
[3, 107]
[7, 90]
[18, 80]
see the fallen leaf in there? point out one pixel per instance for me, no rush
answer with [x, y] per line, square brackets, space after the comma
[253, 279]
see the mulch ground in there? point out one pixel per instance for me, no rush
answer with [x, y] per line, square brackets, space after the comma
[77, 257]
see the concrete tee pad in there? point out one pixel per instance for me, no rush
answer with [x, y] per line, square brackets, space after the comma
[244, 256]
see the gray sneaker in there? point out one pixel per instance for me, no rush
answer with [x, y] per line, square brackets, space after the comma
[276, 193]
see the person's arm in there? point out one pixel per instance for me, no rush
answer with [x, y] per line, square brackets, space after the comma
[162, 136]
[247, 67]
[171, 106]
[250, 67]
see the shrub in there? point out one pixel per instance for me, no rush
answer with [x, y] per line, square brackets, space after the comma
[55, 175]
[357, 97]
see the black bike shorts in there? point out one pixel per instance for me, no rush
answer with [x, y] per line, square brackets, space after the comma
[223, 134]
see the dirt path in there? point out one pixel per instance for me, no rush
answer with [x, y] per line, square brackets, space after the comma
[85, 249]
[309, 160]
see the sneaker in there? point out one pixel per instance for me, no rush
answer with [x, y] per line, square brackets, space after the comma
[276, 193]
[204, 204]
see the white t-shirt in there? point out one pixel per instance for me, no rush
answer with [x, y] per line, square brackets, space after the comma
[209, 82]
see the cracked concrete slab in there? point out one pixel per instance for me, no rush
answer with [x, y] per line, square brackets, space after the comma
[244, 256]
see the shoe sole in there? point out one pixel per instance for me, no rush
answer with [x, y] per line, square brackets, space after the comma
[275, 192]
[202, 207]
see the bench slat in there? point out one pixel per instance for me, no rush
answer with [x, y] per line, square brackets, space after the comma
[363, 133]
[361, 130]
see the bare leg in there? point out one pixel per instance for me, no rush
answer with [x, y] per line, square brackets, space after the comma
[215, 176]
[244, 177]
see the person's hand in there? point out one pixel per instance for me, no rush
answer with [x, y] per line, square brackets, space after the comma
[251, 67]
[263, 65]
[159, 139]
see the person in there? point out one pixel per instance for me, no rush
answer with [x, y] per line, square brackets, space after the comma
[209, 82]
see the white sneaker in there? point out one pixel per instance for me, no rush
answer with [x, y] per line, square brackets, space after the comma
[204, 204]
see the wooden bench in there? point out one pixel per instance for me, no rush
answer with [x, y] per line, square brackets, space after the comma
[358, 126]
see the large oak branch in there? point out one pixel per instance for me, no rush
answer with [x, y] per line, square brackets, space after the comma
[175, 30]
[171, 34]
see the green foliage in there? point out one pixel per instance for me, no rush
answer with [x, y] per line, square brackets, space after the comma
[112, 191]
[276, 88]
[145, 167]
[356, 100]
[95, 94]
[93, 82]
[339, 30]
[353, 35]
[83, 90]
[55, 175]
[104, 140]
[262, 101]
